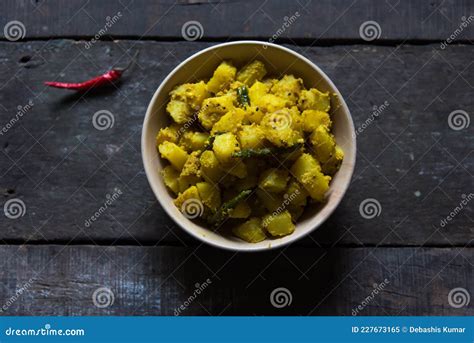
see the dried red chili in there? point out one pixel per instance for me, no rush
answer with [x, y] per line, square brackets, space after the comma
[101, 80]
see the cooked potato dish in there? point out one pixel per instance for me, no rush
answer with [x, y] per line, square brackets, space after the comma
[247, 151]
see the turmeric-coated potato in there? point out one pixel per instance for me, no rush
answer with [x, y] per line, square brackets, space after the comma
[229, 122]
[179, 111]
[279, 224]
[209, 194]
[224, 146]
[248, 150]
[323, 143]
[273, 180]
[308, 172]
[213, 109]
[191, 93]
[174, 154]
[289, 88]
[313, 99]
[192, 141]
[250, 231]
[312, 119]
[222, 78]
[251, 72]
[251, 137]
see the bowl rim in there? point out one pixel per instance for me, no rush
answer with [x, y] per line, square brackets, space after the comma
[247, 247]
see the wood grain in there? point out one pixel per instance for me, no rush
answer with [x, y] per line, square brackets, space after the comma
[158, 280]
[409, 158]
[317, 21]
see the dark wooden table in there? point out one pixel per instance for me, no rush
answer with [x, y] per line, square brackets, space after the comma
[415, 158]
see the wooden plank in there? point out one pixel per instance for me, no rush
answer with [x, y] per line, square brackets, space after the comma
[314, 21]
[158, 280]
[409, 158]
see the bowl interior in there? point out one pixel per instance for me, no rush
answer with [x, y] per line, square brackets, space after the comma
[278, 61]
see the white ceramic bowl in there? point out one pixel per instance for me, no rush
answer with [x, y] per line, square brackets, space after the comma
[278, 60]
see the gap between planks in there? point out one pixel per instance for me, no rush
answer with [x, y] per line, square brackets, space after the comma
[303, 42]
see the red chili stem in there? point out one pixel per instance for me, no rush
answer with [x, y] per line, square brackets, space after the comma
[98, 81]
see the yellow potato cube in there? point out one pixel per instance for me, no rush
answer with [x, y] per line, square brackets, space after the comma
[192, 165]
[313, 99]
[237, 168]
[170, 177]
[191, 93]
[313, 118]
[169, 134]
[257, 91]
[323, 143]
[242, 210]
[254, 114]
[278, 130]
[223, 76]
[271, 103]
[174, 154]
[193, 141]
[224, 146]
[295, 194]
[289, 88]
[179, 111]
[251, 72]
[331, 166]
[209, 194]
[308, 172]
[251, 231]
[229, 122]
[213, 109]
[251, 137]
[279, 224]
[186, 181]
[273, 180]
[210, 167]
